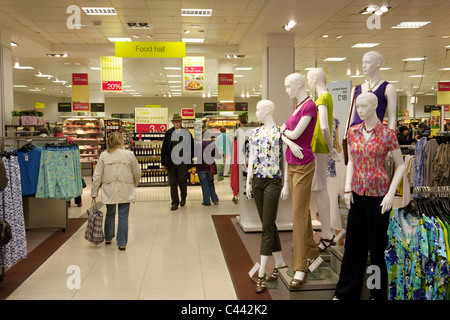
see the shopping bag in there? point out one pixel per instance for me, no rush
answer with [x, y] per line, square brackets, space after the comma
[94, 230]
[220, 170]
[213, 169]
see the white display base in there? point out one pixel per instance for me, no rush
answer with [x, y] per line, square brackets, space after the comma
[248, 226]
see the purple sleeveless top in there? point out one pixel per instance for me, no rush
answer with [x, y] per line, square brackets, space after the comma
[382, 102]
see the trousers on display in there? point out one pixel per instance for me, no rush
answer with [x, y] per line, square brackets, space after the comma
[304, 246]
[366, 232]
[60, 173]
[266, 192]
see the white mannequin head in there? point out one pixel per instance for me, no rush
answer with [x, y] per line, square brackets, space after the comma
[316, 76]
[366, 105]
[371, 62]
[264, 109]
[294, 83]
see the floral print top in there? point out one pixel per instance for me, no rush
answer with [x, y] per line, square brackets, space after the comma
[266, 149]
[369, 176]
[416, 258]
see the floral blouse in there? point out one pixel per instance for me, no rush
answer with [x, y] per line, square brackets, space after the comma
[416, 258]
[266, 149]
[369, 176]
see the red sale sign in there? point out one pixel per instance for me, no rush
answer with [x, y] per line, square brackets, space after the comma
[80, 79]
[80, 106]
[112, 86]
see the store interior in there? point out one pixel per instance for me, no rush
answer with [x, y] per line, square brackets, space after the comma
[45, 43]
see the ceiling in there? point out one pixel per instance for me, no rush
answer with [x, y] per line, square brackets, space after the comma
[235, 27]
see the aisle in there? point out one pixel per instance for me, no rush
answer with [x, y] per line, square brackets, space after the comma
[170, 254]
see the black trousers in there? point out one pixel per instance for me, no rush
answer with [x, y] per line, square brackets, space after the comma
[266, 192]
[178, 176]
[366, 232]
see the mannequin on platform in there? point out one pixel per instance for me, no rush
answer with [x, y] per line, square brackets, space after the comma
[369, 194]
[322, 146]
[385, 92]
[299, 128]
[267, 181]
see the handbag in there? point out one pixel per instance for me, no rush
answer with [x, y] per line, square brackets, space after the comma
[5, 232]
[94, 230]
[213, 169]
[344, 141]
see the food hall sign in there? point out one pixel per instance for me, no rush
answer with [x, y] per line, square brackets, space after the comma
[148, 49]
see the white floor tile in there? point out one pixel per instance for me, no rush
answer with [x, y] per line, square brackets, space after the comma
[170, 254]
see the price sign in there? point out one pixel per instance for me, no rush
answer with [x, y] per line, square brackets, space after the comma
[112, 86]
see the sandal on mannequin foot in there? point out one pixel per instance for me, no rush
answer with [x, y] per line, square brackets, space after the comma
[275, 273]
[325, 244]
[297, 284]
[261, 284]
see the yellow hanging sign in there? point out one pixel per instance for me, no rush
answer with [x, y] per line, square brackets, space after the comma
[112, 74]
[150, 49]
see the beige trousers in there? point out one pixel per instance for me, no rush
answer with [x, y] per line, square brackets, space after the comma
[304, 246]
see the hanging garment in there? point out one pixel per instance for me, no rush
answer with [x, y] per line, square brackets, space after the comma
[60, 173]
[416, 257]
[234, 179]
[29, 162]
[419, 163]
[11, 207]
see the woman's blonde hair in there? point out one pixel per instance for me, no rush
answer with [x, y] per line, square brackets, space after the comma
[114, 142]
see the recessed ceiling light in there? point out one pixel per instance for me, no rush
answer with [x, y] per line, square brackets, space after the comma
[414, 59]
[238, 75]
[335, 59]
[325, 36]
[195, 26]
[244, 68]
[96, 11]
[172, 68]
[120, 39]
[365, 45]
[411, 25]
[193, 40]
[288, 26]
[14, 44]
[95, 68]
[196, 12]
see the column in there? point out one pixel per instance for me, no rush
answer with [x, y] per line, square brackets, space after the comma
[6, 81]
[277, 63]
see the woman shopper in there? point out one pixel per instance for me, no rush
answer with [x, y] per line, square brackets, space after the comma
[118, 173]
[204, 173]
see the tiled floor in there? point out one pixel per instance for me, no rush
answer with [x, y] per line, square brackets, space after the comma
[170, 254]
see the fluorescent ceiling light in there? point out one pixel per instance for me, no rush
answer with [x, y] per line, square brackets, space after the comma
[174, 81]
[335, 59]
[119, 39]
[19, 86]
[244, 68]
[238, 75]
[14, 44]
[172, 68]
[59, 81]
[98, 11]
[23, 67]
[416, 76]
[289, 25]
[40, 75]
[173, 76]
[445, 69]
[358, 76]
[365, 45]
[193, 40]
[384, 69]
[196, 12]
[34, 89]
[411, 25]
[414, 59]
[95, 68]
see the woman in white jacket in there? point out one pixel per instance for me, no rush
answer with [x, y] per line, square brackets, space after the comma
[118, 173]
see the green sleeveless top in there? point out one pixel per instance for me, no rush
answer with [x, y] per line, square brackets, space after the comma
[318, 143]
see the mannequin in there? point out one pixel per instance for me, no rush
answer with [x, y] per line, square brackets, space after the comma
[322, 146]
[267, 183]
[386, 93]
[299, 128]
[367, 188]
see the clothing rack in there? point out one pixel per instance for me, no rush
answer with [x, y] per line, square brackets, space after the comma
[440, 191]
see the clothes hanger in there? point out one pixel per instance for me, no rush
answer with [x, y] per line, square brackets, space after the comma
[410, 208]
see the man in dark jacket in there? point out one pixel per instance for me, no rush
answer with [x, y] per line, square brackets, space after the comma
[176, 156]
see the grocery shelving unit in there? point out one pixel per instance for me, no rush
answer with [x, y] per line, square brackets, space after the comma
[147, 149]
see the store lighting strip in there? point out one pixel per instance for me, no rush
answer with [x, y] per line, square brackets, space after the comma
[193, 40]
[96, 11]
[335, 59]
[196, 12]
[365, 45]
[411, 25]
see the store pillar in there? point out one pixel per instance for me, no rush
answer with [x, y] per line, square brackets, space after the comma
[277, 63]
[6, 81]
